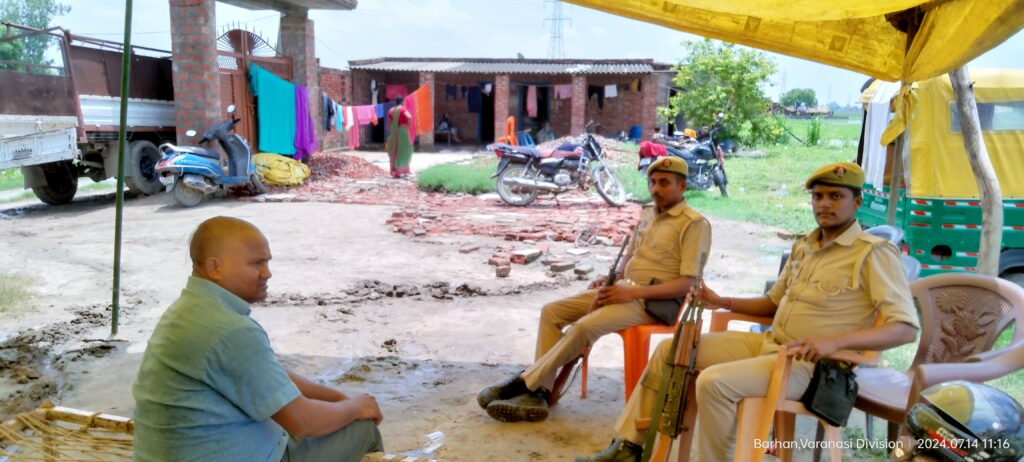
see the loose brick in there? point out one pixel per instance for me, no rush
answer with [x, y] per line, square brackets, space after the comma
[525, 256]
[562, 266]
[502, 271]
[469, 248]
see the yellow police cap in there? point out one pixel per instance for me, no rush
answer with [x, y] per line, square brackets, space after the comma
[669, 164]
[846, 174]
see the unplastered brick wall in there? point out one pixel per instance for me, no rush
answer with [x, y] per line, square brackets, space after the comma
[457, 108]
[337, 84]
[361, 92]
[559, 111]
[625, 110]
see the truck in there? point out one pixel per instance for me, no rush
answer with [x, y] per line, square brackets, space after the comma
[59, 121]
[938, 205]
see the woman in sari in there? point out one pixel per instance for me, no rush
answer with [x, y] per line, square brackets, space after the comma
[399, 143]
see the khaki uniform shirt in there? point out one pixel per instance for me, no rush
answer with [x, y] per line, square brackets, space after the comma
[839, 287]
[669, 245]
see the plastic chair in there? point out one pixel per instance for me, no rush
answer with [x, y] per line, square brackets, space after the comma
[962, 315]
[636, 345]
[510, 132]
[524, 138]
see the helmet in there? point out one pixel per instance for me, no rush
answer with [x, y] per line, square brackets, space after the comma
[963, 421]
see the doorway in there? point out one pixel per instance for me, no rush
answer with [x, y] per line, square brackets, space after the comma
[485, 128]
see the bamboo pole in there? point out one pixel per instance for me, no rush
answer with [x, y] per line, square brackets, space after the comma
[126, 63]
[984, 175]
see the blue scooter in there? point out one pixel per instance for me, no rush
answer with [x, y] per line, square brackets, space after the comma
[193, 172]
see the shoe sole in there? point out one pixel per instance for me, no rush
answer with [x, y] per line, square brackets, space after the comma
[509, 413]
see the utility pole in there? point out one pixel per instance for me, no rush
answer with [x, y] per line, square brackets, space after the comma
[556, 42]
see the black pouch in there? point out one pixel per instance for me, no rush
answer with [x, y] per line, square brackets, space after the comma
[832, 391]
[666, 311]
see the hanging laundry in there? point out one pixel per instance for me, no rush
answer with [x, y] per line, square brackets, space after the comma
[392, 91]
[339, 118]
[305, 127]
[634, 85]
[385, 107]
[450, 90]
[374, 88]
[353, 137]
[473, 102]
[593, 90]
[366, 114]
[563, 91]
[350, 118]
[275, 111]
[463, 89]
[425, 116]
[327, 111]
[611, 91]
[410, 105]
[379, 110]
[531, 101]
[487, 88]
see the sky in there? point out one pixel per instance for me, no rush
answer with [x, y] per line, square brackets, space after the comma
[476, 28]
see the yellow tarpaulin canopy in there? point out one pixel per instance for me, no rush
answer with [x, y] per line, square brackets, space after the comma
[851, 34]
[938, 159]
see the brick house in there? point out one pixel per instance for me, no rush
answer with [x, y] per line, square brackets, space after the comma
[636, 83]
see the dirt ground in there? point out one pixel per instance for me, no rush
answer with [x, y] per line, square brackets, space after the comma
[352, 303]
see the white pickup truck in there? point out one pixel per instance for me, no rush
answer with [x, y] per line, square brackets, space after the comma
[59, 122]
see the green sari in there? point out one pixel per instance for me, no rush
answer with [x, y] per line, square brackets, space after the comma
[399, 143]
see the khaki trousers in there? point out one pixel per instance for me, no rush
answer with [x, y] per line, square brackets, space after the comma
[555, 349]
[733, 366]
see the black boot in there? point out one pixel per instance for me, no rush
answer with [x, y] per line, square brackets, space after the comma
[619, 451]
[531, 406]
[510, 388]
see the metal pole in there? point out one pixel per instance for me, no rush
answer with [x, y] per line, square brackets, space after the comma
[126, 63]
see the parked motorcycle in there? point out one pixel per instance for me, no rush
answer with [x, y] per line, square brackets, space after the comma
[524, 171]
[703, 156]
[193, 172]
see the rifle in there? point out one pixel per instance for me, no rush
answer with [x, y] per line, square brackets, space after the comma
[666, 422]
[563, 374]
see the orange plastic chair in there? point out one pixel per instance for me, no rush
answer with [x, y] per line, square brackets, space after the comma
[510, 132]
[636, 343]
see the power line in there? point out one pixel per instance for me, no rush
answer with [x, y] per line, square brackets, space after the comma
[556, 42]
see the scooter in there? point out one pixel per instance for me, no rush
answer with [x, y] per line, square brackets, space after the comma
[193, 172]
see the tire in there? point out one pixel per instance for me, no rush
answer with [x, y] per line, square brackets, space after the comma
[186, 196]
[257, 183]
[718, 178]
[609, 187]
[1016, 278]
[61, 183]
[511, 194]
[140, 168]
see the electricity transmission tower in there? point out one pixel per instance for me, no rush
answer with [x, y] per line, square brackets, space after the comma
[556, 43]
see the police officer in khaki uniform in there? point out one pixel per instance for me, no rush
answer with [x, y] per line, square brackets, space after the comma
[826, 298]
[661, 262]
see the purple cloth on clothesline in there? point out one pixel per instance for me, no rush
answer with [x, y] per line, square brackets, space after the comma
[305, 128]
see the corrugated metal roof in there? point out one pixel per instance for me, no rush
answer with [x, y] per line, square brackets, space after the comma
[509, 67]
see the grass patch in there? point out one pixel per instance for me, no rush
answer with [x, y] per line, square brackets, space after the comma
[10, 179]
[473, 177]
[28, 194]
[846, 129]
[766, 190]
[15, 293]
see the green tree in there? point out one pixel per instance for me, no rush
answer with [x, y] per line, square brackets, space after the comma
[31, 13]
[794, 97]
[720, 77]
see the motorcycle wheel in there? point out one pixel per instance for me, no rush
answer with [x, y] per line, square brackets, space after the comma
[510, 193]
[718, 177]
[186, 196]
[609, 187]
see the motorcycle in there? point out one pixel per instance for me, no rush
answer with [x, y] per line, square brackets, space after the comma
[524, 171]
[703, 156]
[193, 172]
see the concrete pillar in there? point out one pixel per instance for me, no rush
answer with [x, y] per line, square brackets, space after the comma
[649, 104]
[427, 140]
[501, 84]
[297, 41]
[194, 67]
[578, 113]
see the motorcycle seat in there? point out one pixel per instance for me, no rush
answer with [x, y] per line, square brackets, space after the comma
[201, 152]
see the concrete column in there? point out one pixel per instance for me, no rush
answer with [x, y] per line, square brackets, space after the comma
[649, 104]
[194, 66]
[297, 41]
[578, 113]
[501, 83]
[427, 140]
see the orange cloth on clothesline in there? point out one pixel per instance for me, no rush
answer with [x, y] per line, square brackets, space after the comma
[424, 114]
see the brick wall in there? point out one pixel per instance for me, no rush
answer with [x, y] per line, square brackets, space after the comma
[467, 122]
[194, 66]
[297, 41]
[338, 86]
[627, 109]
[501, 104]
